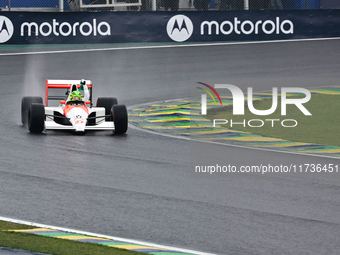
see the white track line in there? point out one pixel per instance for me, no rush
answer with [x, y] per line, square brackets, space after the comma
[164, 46]
[103, 236]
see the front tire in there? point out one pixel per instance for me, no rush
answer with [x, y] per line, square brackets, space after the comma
[25, 106]
[107, 103]
[120, 118]
[36, 118]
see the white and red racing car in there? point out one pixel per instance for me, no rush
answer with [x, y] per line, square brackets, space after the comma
[77, 116]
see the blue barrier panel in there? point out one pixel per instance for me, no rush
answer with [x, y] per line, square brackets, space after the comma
[36, 4]
[313, 4]
[300, 4]
[130, 27]
[31, 3]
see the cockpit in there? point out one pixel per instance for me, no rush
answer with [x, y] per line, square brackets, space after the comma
[75, 103]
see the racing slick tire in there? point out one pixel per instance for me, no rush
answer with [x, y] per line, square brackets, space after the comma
[25, 106]
[120, 118]
[107, 103]
[36, 118]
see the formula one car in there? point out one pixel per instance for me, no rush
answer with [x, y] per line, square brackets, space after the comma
[78, 116]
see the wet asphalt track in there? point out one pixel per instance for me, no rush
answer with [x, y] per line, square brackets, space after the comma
[143, 186]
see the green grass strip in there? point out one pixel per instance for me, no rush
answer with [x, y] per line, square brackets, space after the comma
[55, 246]
[320, 128]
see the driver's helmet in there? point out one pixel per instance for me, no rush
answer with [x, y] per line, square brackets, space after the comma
[76, 96]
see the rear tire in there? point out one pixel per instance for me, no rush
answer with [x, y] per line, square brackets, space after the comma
[36, 118]
[25, 106]
[107, 103]
[120, 118]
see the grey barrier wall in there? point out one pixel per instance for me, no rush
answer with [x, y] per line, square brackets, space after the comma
[134, 27]
[330, 4]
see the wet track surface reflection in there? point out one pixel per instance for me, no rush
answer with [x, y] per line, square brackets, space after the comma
[143, 186]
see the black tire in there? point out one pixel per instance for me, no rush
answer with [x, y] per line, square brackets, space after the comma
[36, 118]
[25, 106]
[120, 118]
[107, 103]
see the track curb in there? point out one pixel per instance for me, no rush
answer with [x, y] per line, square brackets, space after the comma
[181, 118]
[111, 241]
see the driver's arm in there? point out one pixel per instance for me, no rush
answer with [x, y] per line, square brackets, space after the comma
[84, 87]
[86, 93]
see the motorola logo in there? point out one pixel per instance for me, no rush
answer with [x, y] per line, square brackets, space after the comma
[180, 28]
[6, 29]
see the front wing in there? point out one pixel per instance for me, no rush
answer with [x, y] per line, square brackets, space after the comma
[100, 124]
[51, 125]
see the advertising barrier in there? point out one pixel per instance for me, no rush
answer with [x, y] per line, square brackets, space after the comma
[134, 27]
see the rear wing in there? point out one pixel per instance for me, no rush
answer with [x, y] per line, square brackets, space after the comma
[64, 84]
